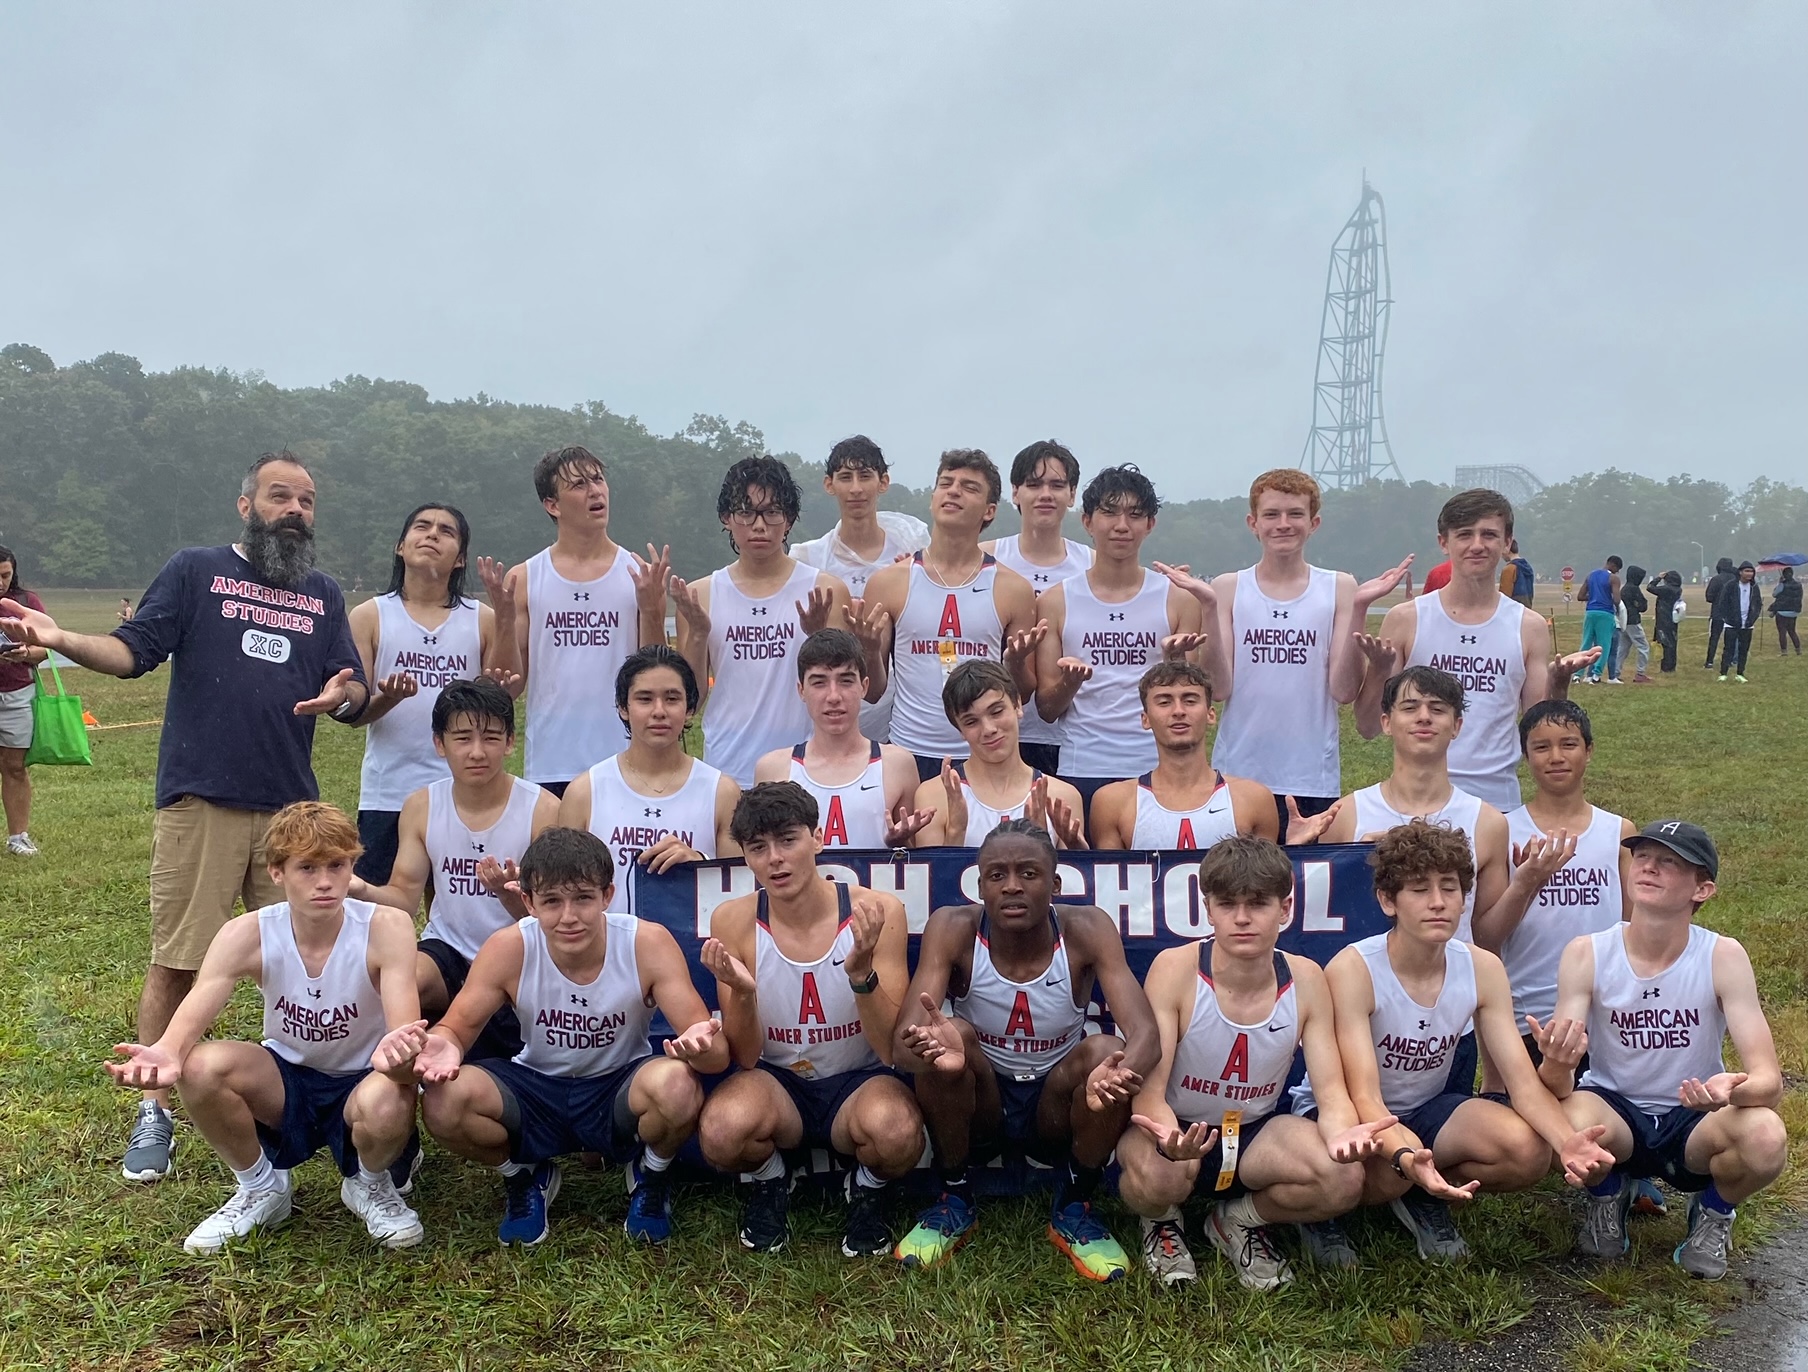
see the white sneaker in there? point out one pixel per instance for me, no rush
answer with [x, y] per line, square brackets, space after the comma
[385, 1214]
[267, 1208]
[1165, 1254]
[20, 845]
[1238, 1232]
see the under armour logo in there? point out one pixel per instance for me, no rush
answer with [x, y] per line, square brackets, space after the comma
[1040, 576]
[576, 999]
[580, 595]
[315, 992]
[1424, 1024]
[651, 813]
[1467, 638]
[1114, 618]
[1278, 614]
[476, 847]
[760, 610]
[1652, 993]
[429, 638]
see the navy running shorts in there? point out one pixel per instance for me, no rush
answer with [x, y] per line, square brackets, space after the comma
[1658, 1140]
[548, 1117]
[313, 1117]
[819, 1100]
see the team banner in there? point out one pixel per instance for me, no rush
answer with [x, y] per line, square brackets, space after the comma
[1154, 896]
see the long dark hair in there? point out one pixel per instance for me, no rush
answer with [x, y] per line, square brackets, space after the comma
[18, 586]
[455, 584]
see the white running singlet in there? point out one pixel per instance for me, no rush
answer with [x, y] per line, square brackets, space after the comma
[1489, 659]
[903, 534]
[852, 815]
[1105, 736]
[1076, 558]
[1160, 828]
[753, 705]
[398, 748]
[1221, 1065]
[464, 912]
[332, 1022]
[581, 1029]
[809, 1017]
[1025, 1027]
[940, 628]
[1414, 1043]
[1648, 1035]
[630, 822]
[982, 819]
[1374, 816]
[578, 636]
[1279, 726]
[1582, 897]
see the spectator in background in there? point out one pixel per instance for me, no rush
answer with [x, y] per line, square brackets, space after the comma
[1632, 633]
[1437, 578]
[18, 668]
[125, 611]
[1516, 581]
[1723, 576]
[1600, 625]
[1740, 606]
[1786, 608]
[1666, 592]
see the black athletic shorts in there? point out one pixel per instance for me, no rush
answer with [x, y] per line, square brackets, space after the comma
[819, 1099]
[1308, 806]
[556, 788]
[313, 1117]
[380, 833]
[928, 768]
[1088, 787]
[1044, 757]
[1658, 1140]
[501, 1037]
[1205, 1186]
[548, 1117]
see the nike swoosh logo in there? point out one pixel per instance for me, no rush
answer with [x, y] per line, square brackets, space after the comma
[1276, 1028]
[839, 961]
[873, 787]
[1056, 982]
[979, 590]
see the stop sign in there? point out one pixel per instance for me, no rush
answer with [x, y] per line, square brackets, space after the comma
[1569, 573]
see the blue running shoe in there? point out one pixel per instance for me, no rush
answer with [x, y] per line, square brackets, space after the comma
[939, 1230]
[524, 1209]
[649, 1205]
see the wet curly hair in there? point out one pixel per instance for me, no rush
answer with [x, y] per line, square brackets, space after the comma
[1414, 850]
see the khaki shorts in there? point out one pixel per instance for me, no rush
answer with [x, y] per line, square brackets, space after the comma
[203, 858]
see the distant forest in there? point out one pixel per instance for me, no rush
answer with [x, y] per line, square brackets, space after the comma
[105, 469]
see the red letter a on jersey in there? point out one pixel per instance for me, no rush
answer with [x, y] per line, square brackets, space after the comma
[834, 825]
[950, 626]
[1020, 1021]
[1237, 1064]
[809, 1007]
[1186, 839]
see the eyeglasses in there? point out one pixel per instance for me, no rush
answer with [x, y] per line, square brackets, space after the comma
[765, 515]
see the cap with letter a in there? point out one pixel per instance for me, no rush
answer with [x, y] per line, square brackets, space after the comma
[1688, 841]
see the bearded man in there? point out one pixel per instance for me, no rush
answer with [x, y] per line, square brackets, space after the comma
[261, 646]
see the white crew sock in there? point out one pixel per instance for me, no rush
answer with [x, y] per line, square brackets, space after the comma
[651, 1161]
[770, 1170]
[512, 1169]
[260, 1176]
[863, 1176]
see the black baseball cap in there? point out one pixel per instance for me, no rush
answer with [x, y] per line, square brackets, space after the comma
[1688, 841]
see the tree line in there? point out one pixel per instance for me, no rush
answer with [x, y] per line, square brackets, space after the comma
[106, 468]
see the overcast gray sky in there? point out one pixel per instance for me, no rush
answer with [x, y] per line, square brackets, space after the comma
[944, 224]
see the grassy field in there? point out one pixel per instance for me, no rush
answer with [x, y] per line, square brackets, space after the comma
[95, 1277]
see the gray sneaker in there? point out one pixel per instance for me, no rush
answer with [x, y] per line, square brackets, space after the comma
[1703, 1253]
[153, 1142]
[1429, 1222]
[1327, 1245]
[1165, 1254]
[20, 845]
[1604, 1225]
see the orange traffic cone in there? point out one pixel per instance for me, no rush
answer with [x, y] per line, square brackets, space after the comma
[89, 719]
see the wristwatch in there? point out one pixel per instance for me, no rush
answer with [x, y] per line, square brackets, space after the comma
[866, 985]
[1394, 1161]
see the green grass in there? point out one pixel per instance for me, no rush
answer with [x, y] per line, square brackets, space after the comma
[94, 1275]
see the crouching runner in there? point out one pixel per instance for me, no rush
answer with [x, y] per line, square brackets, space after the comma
[583, 983]
[341, 1030]
[1014, 1065]
[811, 974]
[1232, 1011]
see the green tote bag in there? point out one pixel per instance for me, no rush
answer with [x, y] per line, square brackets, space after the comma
[58, 736]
